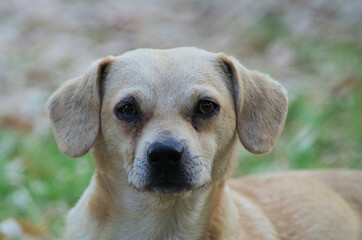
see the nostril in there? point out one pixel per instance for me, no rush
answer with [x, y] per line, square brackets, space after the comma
[175, 157]
[165, 154]
[153, 158]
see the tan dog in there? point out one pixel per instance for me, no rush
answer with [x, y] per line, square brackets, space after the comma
[164, 127]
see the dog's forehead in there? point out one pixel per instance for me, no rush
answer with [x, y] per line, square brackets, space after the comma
[180, 66]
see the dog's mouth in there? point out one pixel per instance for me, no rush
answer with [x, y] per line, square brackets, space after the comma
[189, 175]
[169, 188]
[166, 185]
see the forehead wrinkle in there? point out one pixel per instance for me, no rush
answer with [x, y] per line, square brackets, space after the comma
[139, 93]
[197, 92]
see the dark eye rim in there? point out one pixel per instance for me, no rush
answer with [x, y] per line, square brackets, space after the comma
[198, 113]
[127, 117]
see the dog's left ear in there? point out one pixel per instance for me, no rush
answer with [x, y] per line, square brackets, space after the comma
[74, 110]
[261, 106]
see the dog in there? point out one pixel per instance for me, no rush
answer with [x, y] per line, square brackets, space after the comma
[164, 127]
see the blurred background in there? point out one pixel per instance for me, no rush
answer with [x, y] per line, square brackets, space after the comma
[314, 48]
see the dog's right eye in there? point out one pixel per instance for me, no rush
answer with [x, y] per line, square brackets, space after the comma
[127, 110]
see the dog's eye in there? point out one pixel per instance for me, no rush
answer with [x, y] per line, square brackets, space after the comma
[206, 106]
[128, 109]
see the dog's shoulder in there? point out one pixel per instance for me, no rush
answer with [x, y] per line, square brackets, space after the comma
[296, 202]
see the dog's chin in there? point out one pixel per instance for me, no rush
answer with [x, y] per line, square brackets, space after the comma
[169, 188]
[166, 188]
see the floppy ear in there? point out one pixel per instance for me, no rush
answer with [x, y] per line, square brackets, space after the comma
[74, 110]
[261, 106]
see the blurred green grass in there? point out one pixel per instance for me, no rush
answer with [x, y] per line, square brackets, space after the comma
[38, 182]
[326, 135]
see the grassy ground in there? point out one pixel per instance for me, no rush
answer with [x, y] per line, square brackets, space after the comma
[38, 182]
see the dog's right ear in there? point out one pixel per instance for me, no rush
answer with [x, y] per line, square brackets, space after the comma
[261, 106]
[74, 110]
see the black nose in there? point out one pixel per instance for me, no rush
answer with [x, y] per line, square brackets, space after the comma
[165, 155]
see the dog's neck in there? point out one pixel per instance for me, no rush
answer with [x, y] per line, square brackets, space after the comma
[127, 212]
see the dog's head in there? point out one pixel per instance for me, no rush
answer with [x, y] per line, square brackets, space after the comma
[167, 120]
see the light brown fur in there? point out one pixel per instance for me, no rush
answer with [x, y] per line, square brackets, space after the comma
[167, 84]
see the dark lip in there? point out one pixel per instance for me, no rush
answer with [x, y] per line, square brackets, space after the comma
[165, 179]
[168, 184]
[168, 187]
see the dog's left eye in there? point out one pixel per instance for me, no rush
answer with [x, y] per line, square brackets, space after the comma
[206, 107]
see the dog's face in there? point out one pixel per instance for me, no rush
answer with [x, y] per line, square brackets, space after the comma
[166, 114]
[168, 119]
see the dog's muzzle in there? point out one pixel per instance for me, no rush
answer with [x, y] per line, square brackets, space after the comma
[166, 160]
